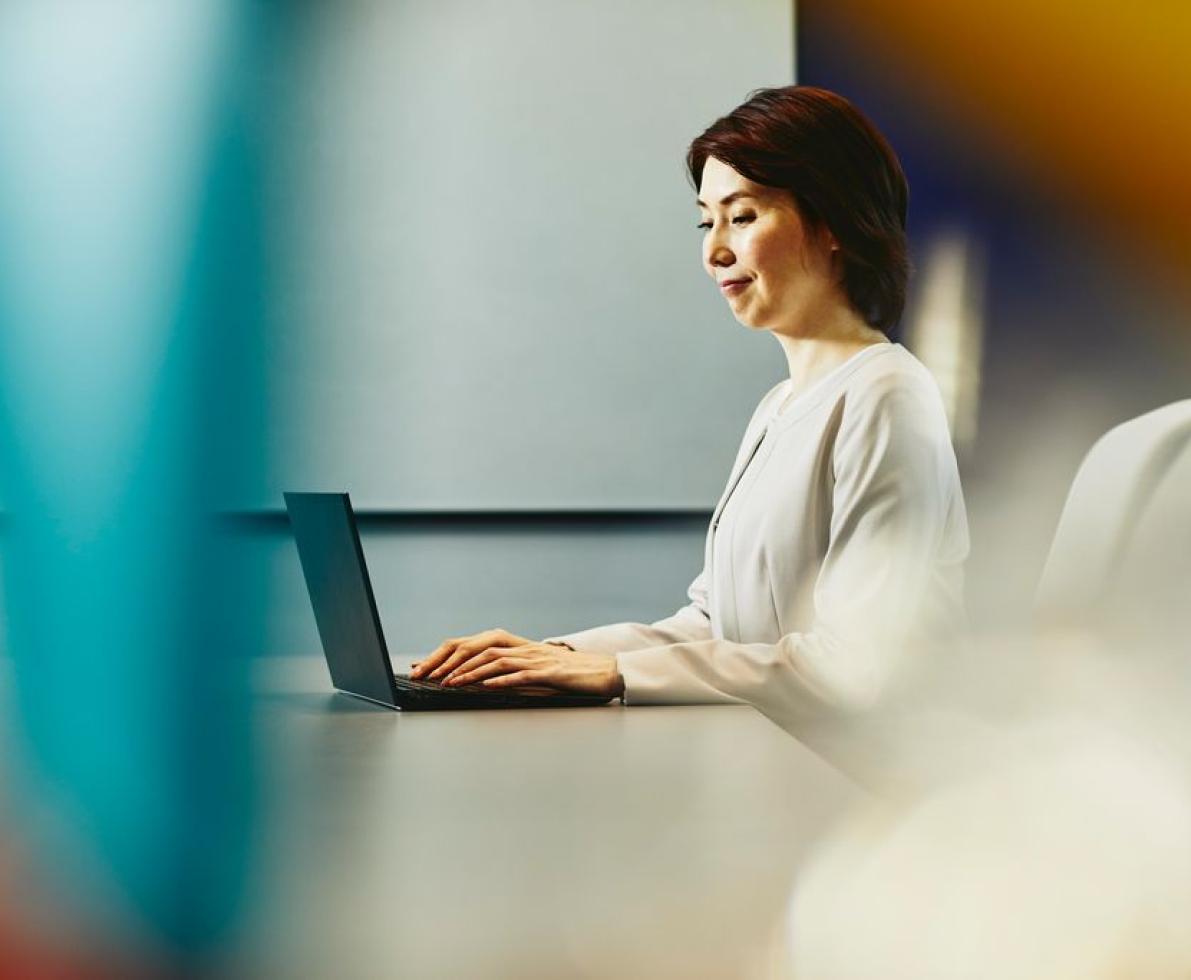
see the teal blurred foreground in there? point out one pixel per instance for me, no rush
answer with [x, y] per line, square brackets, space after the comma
[130, 336]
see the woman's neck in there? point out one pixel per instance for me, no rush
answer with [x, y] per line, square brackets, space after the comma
[813, 353]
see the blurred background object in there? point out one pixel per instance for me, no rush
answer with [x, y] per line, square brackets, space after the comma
[1083, 100]
[946, 332]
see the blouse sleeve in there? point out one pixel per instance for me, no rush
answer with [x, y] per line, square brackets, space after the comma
[691, 623]
[897, 540]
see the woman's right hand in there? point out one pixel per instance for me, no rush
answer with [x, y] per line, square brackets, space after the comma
[451, 653]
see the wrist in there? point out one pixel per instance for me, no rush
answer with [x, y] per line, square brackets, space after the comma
[616, 687]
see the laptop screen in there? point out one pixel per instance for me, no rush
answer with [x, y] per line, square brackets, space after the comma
[341, 594]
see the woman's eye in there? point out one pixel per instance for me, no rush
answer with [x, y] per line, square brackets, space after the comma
[740, 219]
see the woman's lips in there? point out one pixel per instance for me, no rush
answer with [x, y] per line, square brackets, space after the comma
[732, 286]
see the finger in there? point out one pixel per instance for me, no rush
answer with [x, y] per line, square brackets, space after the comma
[482, 658]
[461, 655]
[468, 648]
[530, 675]
[435, 657]
[495, 666]
[527, 648]
[488, 638]
[485, 656]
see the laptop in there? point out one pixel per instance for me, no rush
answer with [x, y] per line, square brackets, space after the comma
[332, 558]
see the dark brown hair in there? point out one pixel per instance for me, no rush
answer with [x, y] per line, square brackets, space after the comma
[842, 173]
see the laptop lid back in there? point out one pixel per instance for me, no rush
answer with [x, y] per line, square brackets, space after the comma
[341, 594]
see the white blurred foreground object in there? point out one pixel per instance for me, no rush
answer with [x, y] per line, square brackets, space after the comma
[1070, 860]
[1049, 833]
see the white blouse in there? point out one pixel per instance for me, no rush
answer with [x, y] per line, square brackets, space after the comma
[837, 546]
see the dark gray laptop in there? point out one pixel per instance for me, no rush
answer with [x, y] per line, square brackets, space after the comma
[340, 590]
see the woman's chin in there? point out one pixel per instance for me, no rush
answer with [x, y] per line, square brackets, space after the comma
[746, 316]
[747, 321]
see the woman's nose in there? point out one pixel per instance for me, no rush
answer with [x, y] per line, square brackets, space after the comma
[716, 254]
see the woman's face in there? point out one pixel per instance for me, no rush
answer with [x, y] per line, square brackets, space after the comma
[773, 272]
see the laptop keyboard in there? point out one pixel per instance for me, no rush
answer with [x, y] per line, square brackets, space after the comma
[416, 693]
[408, 683]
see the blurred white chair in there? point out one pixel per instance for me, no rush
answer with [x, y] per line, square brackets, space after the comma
[1126, 526]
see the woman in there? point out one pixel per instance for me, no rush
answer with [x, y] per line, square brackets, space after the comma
[840, 538]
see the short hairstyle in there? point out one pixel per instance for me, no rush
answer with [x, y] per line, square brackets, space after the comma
[843, 175]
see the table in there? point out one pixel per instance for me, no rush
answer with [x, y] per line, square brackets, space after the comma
[592, 842]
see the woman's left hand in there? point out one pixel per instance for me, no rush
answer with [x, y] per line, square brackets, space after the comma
[540, 663]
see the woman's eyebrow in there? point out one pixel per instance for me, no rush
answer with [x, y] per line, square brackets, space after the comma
[734, 196]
